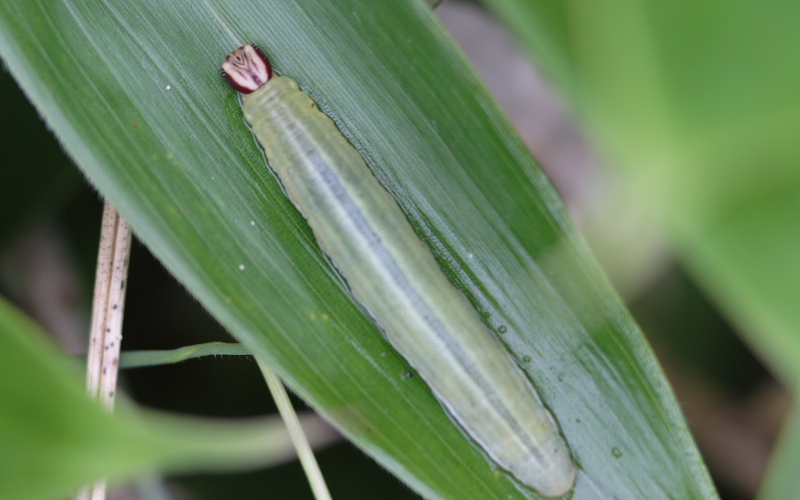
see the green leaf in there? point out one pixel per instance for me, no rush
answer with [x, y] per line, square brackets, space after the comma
[56, 440]
[138, 359]
[133, 92]
[782, 481]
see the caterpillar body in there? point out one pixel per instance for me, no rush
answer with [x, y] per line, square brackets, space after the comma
[395, 277]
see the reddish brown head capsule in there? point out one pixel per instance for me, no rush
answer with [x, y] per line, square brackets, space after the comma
[247, 69]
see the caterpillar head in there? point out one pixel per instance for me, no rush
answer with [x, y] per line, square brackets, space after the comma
[246, 69]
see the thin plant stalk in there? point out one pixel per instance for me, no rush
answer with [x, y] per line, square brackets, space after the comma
[102, 364]
[304, 452]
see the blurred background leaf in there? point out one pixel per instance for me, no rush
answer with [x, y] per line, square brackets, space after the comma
[55, 439]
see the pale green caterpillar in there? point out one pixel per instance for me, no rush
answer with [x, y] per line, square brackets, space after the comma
[394, 276]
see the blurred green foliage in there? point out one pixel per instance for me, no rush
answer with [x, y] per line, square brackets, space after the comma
[694, 103]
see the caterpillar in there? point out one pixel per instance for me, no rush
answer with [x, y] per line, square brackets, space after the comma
[394, 276]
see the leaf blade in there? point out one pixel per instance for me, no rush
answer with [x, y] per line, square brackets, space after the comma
[183, 169]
